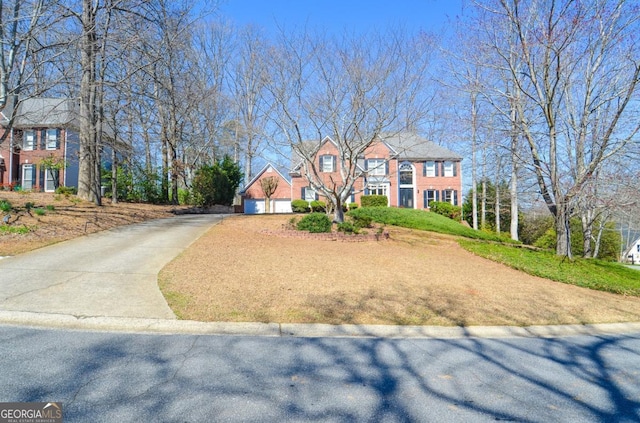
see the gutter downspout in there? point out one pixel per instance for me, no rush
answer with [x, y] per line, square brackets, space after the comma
[64, 155]
[11, 157]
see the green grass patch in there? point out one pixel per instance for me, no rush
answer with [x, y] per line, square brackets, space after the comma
[6, 229]
[422, 220]
[588, 273]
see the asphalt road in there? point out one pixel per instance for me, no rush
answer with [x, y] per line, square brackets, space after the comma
[107, 377]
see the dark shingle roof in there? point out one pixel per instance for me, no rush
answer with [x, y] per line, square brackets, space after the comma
[44, 112]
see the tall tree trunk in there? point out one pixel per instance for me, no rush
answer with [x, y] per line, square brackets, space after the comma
[114, 176]
[586, 219]
[474, 184]
[483, 205]
[497, 208]
[86, 188]
[563, 233]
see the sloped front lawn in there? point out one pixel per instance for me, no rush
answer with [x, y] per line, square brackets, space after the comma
[239, 272]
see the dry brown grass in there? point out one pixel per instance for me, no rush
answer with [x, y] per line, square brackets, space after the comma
[236, 273]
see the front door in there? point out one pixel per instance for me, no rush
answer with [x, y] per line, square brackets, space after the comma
[406, 197]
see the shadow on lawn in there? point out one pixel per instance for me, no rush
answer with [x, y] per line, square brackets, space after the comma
[216, 378]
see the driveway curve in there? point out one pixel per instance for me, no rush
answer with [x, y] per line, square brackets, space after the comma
[107, 274]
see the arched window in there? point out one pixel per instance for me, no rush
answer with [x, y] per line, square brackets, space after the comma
[406, 174]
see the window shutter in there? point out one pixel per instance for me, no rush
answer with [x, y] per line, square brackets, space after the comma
[442, 170]
[455, 197]
[366, 164]
[437, 166]
[317, 196]
[386, 168]
[437, 195]
[334, 160]
[43, 140]
[320, 161]
[424, 193]
[41, 178]
[424, 168]
[455, 169]
[302, 196]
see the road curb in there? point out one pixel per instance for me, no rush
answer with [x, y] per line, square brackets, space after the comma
[189, 327]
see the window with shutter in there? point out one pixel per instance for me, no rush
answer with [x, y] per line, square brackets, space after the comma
[429, 196]
[430, 169]
[448, 169]
[308, 194]
[327, 163]
[29, 140]
[376, 167]
[52, 136]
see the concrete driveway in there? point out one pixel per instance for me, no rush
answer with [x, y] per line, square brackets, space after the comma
[106, 274]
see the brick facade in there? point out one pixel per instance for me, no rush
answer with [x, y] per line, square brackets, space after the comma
[405, 177]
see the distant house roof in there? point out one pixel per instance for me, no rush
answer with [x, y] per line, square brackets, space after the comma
[412, 146]
[264, 169]
[45, 112]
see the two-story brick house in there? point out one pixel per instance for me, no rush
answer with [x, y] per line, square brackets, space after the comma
[43, 129]
[410, 170]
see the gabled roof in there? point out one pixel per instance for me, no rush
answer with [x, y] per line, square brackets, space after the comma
[403, 145]
[412, 146]
[42, 112]
[259, 174]
[312, 147]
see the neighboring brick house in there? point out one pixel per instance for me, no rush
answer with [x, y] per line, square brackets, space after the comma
[42, 128]
[254, 200]
[410, 170]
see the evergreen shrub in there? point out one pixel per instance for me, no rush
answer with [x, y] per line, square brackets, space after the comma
[374, 201]
[300, 206]
[315, 223]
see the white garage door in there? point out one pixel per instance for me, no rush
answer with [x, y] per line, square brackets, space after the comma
[282, 206]
[257, 206]
[253, 206]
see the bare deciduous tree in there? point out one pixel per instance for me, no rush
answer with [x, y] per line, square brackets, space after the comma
[269, 185]
[354, 89]
[579, 73]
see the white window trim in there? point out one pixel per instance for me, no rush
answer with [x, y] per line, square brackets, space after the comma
[32, 172]
[451, 193]
[430, 171]
[413, 175]
[430, 199]
[323, 160]
[48, 178]
[32, 142]
[52, 139]
[447, 169]
[376, 167]
[309, 194]
[383, 187]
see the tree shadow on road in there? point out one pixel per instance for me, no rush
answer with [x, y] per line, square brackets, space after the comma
[178, 378]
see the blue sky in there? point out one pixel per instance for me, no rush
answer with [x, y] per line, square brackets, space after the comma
[335, 15]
